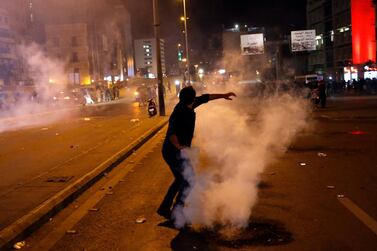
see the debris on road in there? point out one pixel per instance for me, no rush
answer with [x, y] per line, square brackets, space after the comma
[330, 187]
[135, 120]
[44, 129]
[71, 231]
[94, 210]
[140, 220]
[87, 119]
[321, 154]
[19, 245]
[302, 164]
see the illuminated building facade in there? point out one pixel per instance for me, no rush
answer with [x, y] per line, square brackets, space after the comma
[13, 31]
[92, 37]
[345, 38]
[7, 49]
[146, 57]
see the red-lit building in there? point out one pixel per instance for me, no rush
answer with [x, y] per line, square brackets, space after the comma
[345, 37]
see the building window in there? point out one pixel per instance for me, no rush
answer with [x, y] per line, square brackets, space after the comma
[74, 41]
[75, 57]
[319, 41]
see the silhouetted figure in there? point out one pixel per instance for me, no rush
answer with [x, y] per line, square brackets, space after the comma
[179, 136]
[322, 93]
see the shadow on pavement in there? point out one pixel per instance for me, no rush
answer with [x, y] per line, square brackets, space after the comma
[260, 232]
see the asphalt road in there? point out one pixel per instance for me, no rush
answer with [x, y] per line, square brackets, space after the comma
[41, 158]
[328, 204]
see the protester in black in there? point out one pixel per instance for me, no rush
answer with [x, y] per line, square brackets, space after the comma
[179, 136]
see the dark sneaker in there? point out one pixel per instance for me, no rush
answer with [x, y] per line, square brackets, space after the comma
[166, 213]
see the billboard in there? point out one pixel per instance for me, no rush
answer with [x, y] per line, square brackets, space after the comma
[252, 44]
[303, 40]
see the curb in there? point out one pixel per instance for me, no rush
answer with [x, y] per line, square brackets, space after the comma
[41, 214]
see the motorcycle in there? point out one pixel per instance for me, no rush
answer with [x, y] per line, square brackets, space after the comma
[152, 109]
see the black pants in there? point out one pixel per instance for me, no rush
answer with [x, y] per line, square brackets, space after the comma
[322, 98]
[179, 187]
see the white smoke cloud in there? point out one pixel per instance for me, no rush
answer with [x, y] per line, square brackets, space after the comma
[238, 140]
[47, 73]
[49, 78]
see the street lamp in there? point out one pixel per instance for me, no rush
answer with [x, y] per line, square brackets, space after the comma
[186, 40]
[156, 23]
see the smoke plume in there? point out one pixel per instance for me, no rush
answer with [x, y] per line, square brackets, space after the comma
[238, 140]
[34, 102]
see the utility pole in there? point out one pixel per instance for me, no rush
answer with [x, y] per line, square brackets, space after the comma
[156, 19]
[186, 42]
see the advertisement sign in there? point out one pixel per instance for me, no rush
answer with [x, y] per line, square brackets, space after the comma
[252, 44]
[303, 40]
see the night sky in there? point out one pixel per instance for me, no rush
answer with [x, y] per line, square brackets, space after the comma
[208, 17]
[265, 13]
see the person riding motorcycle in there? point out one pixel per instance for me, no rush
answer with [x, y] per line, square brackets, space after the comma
[152, 109]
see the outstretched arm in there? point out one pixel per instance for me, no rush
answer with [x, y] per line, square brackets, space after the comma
[227, 96]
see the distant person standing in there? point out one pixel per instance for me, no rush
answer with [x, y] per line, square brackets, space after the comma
[179, 136]
[322, 93]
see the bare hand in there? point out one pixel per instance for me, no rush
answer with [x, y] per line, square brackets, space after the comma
[229, 95]
[181, 147]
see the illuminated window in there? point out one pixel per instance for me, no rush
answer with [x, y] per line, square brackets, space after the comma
[332, 36]
[319, 40]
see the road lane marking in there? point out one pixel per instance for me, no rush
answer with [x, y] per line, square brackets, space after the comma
[360, 214]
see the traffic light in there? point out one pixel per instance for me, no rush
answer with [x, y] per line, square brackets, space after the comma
[180, 55]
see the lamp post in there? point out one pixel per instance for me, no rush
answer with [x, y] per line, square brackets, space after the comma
[186, 41]
[156, 24]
